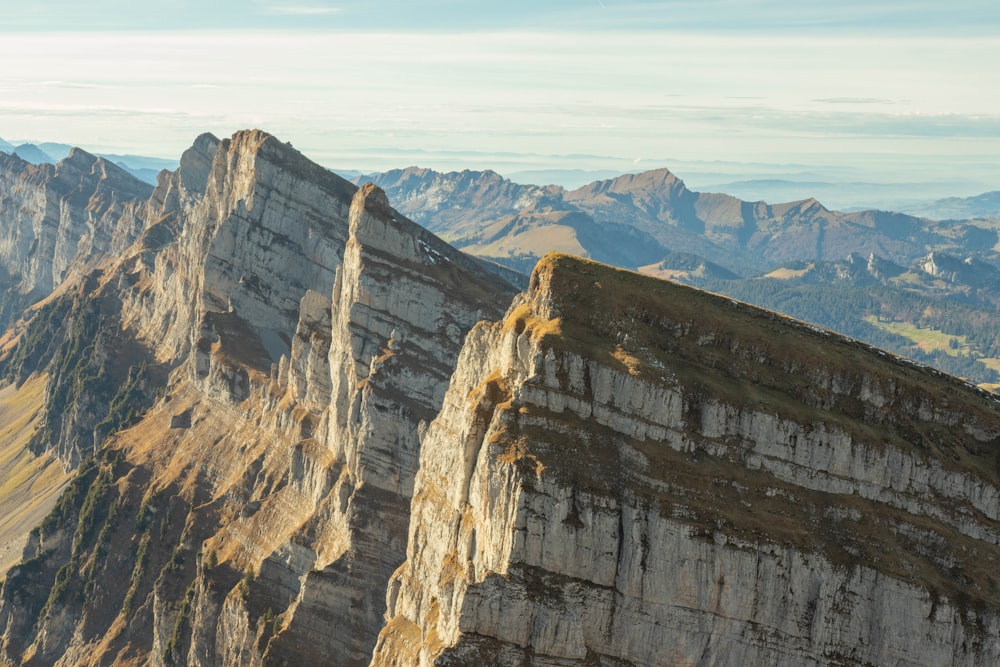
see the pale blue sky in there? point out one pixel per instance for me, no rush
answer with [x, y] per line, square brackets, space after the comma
[894, 16]
[885, 91]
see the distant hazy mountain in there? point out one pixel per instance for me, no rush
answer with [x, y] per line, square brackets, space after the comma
[986, 205]
[55, 151]
[840, 195]
[143, 167]
[489, 215]
[568, 178]
[33, 154]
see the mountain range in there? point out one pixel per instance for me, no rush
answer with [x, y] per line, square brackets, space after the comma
[257, 415]
[636, 220]
[986, 205]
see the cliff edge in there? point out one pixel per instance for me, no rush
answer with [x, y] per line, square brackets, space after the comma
[631, 472]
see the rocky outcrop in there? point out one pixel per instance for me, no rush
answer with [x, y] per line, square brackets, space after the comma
[62, 218]
[241, 231]
[402, 304]
[628, 472]
[310, 331]
[970, 272]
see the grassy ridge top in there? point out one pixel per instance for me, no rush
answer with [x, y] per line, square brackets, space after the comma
[722, 349]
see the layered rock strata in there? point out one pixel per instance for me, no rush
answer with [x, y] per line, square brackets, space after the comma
[630, 472]
[402, 304]
[310, 331]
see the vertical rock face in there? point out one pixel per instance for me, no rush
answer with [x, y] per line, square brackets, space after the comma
[311, 331]
[627, 472]
[243, 229]
[402, 304]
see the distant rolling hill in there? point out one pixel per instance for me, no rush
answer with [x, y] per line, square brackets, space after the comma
[986, 205]
[940, 310]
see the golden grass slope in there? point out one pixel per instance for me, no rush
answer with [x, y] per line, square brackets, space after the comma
[29, 484]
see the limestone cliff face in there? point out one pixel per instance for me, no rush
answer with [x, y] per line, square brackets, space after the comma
[310, 331]
[60, 224]
[62, 218]
[627, 472]
[402, 303]
[242, 230]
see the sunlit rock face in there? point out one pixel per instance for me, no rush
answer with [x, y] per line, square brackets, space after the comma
[627, 472]
[309, 332]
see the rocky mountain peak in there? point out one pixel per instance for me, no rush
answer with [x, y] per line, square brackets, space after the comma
[806, 208]
[371, 199]
[327, 417]
[32, 153]
[81, 167]
[80, 157]
[196, 162]
[660, 183]
[63, 218]
[813, 204]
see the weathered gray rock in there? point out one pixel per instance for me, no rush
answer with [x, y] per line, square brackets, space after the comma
[311, 331]
[586, 500]
[402, 304]
[617, 472]
[246, 227]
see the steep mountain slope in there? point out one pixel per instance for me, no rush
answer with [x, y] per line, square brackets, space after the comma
[630, 472]
[262, 495]
[29, 485]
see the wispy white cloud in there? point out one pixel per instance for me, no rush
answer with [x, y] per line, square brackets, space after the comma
[853, 100]
[366, 99]
[301, 10]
